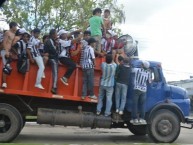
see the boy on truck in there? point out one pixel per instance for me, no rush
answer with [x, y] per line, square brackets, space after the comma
[5, 53]
[141, 77]
[122, 83]
[35, 56]
[21, 49]
[107, 85]
[64, 53]
[96, 23]
[51, 50]
[88, 64]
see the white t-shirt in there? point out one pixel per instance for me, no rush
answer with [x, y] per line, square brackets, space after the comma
[64, 46]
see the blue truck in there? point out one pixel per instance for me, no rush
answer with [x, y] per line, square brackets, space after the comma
[167, 107]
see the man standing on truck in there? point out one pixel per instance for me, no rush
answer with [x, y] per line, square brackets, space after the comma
[107, 84]
[122, 83]
[87, 65]
[96, 23]
[141, 77]
[5, 53]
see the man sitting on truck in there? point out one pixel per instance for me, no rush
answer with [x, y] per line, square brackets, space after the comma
[141, 77]
[51, 51]
[35, 56]
[64, 53]
[5, 53]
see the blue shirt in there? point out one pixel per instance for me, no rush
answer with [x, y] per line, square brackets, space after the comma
[108, 74]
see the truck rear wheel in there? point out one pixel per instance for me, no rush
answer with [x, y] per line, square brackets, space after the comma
[11, 123]
[164, 126]
[137, 129]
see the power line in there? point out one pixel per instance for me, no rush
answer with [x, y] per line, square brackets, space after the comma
[180, 72]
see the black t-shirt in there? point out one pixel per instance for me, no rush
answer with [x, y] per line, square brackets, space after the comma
[123, 74]
[51, 49]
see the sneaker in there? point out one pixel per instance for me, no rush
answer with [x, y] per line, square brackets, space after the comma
[120, 112]
[64, 81]
[54, 90]
[39, 86]
[134, 121]
[142, 121]
[107, 115]
[83, 97]
[93, 97]
[43, 76]
[117, 111]
[4, 85]
[98, 113]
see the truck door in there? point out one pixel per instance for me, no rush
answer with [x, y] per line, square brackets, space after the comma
[155, 90]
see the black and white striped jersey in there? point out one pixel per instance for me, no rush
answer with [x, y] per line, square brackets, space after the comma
[88, 58]
[141, 78]
[33, 45]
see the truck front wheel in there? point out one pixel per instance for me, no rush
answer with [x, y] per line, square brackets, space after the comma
[164, 126]
[10, 123]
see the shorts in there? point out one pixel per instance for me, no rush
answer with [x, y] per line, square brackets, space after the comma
[98, 43]
[3, 57]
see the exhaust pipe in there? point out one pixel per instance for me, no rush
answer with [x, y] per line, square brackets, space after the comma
[72, 118]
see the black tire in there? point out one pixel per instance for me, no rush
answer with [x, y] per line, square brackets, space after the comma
[137, 129]
[164, 126]
[11, 123]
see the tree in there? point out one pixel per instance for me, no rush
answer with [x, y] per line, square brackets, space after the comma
[46, 14]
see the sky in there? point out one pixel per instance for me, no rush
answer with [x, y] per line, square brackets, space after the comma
[164, 29]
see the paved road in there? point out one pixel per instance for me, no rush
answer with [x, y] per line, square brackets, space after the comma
[74, 135]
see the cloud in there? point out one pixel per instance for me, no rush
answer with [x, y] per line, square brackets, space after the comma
[138, 11]
[164, 33]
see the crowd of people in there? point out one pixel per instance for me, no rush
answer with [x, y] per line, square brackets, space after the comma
[79, 48]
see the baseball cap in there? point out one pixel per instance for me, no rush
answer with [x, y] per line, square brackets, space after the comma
[22, 31]
[146, 64]
[62, 32]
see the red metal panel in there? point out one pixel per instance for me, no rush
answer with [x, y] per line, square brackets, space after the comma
[24, 84]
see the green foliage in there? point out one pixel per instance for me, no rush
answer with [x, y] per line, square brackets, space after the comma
[47, 14]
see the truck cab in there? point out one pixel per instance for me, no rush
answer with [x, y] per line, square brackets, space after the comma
[166, 106]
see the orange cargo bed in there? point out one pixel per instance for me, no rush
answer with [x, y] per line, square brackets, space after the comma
[19, 84]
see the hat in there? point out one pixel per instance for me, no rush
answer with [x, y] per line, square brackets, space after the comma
[146, 64]
[91, 40]
[62, 32]
[22, 31]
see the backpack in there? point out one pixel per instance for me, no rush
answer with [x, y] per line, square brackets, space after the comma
[22, 64]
